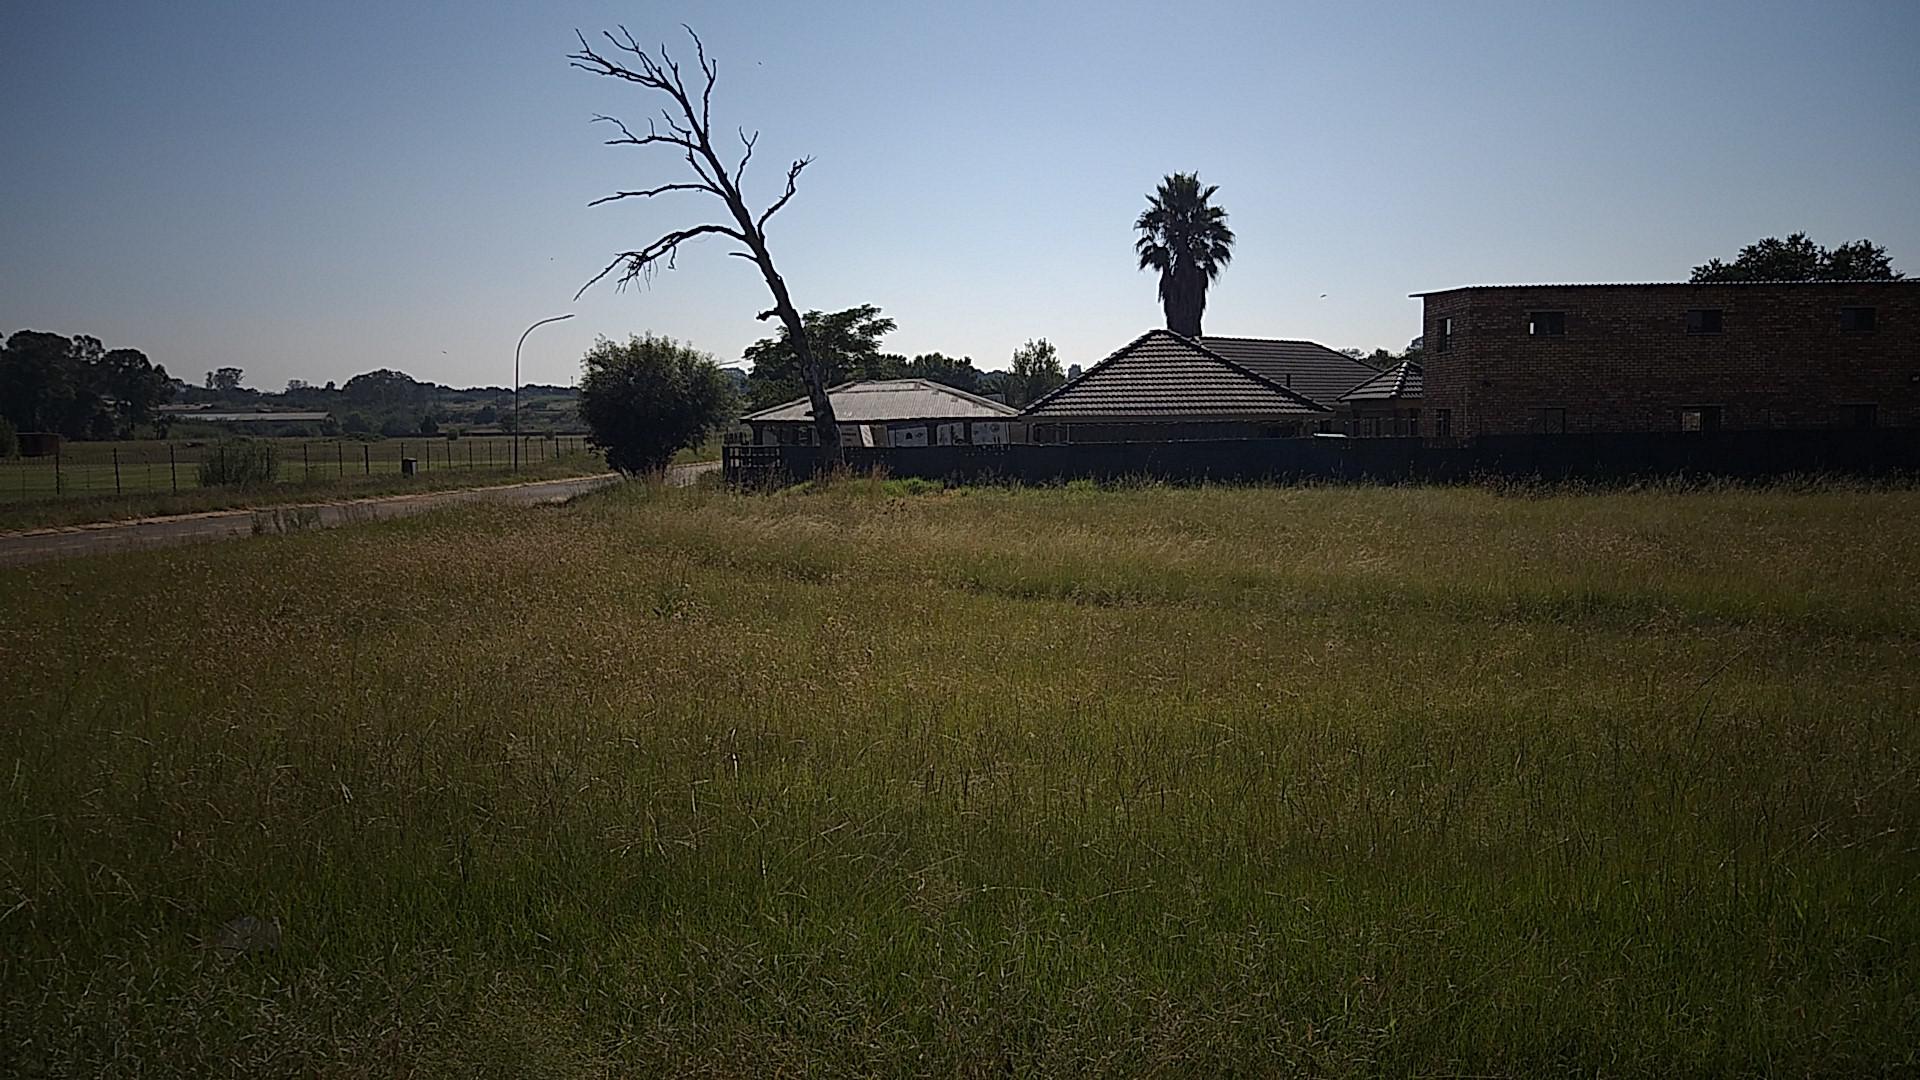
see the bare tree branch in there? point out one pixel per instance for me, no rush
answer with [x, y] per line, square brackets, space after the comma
[650, 192]
[711, 70]
[643, 262]
[740, 170]
[628, 138]
[793, 174]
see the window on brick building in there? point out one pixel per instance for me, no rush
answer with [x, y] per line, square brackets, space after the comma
[1546, 323]
[1856, 320]
[1855, 417]
[1444, 339]
[1700, 418]
[1442, 423]
[1553, 421]
[1704, 321]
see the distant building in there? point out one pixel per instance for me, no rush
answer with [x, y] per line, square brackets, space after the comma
[1554, 359]
[1163, 387]
[213, 417]
[888, 412]
[1386, 405]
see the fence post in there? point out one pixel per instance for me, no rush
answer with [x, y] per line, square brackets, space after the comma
[58, 486]
[173, 468]
[426, 464]
[306, 466]
[366, 458]
[116, 470]
[340, 454]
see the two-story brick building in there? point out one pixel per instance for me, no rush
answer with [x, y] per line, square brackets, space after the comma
[1553, 359]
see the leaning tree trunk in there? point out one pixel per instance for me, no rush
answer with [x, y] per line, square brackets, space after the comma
[825, 425]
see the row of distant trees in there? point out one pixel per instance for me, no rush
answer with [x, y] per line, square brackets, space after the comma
[847, 345]
[77, 386]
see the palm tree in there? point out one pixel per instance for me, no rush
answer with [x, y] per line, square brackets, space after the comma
[1186, 238]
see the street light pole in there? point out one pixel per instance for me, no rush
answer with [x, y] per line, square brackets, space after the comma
[516, 382]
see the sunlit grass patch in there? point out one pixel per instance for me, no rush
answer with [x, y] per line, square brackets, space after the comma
[877, 777]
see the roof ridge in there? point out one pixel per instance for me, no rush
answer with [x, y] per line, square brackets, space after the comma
[918, 381]
[1110, 358]
[1255, 376]
[1258, 380]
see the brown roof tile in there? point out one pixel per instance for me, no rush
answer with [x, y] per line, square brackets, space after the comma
[1161, 375]
[1301, 366]
[1401, 381]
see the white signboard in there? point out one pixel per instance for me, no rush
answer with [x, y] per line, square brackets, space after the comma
[990, 433]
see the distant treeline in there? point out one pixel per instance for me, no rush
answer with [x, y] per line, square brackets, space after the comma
[81, 389]
[77, 386]
[388, 402]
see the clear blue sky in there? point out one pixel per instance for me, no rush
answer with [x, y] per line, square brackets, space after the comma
[314, 190]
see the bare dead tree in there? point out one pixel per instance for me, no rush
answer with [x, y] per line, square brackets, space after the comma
[686, 126]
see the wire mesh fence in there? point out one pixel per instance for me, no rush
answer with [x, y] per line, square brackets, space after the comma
[77, 469]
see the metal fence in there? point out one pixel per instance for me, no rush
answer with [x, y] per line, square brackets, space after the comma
[127, 468]
[1613, 457]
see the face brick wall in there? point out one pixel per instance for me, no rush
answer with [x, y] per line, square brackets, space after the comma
[1628, 363]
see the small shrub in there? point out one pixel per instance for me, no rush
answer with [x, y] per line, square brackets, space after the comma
[645, 400]
[242, 463]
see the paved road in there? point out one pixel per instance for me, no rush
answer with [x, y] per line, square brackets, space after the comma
[42, 544]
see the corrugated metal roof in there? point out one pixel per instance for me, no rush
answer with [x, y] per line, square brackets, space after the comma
[1161, 375]
[885, 400]
[1403, 380]
[251, 417]
[1668, 285]
[1301, 366]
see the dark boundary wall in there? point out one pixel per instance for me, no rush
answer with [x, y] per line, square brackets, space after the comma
[1617, 457]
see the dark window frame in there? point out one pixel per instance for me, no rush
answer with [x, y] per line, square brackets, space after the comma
[1547, 323]
[1710, 418]
[1862, 319]
[1857, 416]
[1698, 320]
[1444, 339]
[1553, 420]
[1442, 423]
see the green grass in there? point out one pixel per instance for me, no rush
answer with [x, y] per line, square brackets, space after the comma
[708, 450]
[85, 504]
[1345, 781]
[88, 469]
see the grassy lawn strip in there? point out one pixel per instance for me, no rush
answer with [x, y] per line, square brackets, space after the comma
[84, 509]
[1343, 781]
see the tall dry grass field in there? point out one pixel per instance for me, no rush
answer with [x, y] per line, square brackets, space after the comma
[1336, 781]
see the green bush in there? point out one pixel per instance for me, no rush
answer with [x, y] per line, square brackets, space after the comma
[240, 463]
[648, 398]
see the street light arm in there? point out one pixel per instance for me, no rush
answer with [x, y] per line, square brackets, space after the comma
[516, 380]
[531, 329]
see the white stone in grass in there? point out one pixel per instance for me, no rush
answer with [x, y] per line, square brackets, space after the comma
[248, 934]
